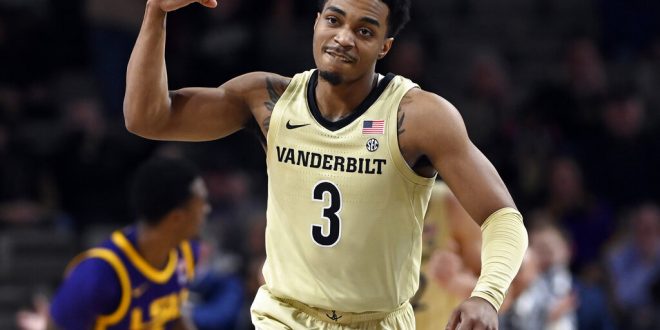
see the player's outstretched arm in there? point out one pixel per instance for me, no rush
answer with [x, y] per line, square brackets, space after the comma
[439, 133]
[189, 114]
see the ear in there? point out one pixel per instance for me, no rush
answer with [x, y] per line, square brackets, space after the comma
[387, 45]
[177, 217]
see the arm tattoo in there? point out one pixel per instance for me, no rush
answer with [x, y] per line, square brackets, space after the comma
[275, 90]
[399, 122]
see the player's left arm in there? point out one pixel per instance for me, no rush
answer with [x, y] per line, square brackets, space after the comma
[440, 135]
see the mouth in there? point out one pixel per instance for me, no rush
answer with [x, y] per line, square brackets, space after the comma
[339, 55]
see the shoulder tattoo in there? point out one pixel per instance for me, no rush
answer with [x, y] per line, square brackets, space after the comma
[275, 88]
[401, 115]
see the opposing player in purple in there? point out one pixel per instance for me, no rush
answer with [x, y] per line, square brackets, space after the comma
[138, 278]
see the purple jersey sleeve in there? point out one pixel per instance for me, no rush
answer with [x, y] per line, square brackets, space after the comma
[92, 289]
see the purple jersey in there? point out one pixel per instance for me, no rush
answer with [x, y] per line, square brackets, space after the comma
[113, 287]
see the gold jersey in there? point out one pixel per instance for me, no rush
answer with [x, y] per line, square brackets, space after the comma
[345, 211]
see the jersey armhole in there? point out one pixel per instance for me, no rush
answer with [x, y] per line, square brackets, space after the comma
[403, 88]
[124, 280]
[298, 82]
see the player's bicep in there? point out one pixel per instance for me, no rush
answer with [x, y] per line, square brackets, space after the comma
[207, 114]
[469, 174]
[90, 290]
[201, 114]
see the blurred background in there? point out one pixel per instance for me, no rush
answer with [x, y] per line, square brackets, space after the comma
[561, 95]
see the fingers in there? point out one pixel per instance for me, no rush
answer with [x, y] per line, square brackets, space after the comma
[454, 320]
[473, 325]
[473, 314]
[171, 5]
[209, 3]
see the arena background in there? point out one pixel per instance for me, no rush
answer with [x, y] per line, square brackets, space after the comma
[562, 95]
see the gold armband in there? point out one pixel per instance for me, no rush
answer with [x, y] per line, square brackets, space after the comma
[504, 244]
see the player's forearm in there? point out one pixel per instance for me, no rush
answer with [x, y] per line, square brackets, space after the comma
[146, 100]
[504, 245]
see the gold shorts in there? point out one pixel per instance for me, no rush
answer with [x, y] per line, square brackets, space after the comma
[272, 313]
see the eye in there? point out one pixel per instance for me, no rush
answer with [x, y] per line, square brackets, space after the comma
[332, 20]
[365, 32]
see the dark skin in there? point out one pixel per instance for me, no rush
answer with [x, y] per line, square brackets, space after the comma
[350, 36]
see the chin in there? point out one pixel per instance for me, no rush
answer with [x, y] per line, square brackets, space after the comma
[332, 77]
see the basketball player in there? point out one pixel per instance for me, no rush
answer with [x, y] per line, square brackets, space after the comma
[137, 279]
[352, 156]
[450, 259]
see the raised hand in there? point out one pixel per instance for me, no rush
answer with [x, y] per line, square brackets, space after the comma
[474, 313]
[170, 5]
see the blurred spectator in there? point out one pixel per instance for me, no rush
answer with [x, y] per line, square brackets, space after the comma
[487, 106]
[629, 28]
[409, 57]
[27, 194]
[567, 103]
[487, 103]
[226, 46]
[113, 27]
[559, 113]
[255, 258]
[634, 265]
[593, 311]
[620, 157]
[551, 297]
[525, 306]
[91, 163]
[217, 294]
[282, 31]
[588, 219]
[554, 257]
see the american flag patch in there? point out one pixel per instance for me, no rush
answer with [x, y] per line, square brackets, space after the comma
[373, 127]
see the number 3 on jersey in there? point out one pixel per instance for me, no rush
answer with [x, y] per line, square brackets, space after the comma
[331, 235]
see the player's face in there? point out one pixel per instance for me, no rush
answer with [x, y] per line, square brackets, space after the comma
[197, 208]
[349, 37]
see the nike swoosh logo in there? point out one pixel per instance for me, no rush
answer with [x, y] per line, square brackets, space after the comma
[290, 126]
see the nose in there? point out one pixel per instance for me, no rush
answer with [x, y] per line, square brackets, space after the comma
[345, 38]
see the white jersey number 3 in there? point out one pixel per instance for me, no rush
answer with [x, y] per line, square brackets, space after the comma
[327, 236]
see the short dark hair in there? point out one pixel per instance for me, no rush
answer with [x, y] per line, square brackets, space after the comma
[161, 185]
[396, 20]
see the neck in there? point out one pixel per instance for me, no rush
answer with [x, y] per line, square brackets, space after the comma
[338, 101]
[154, 245]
